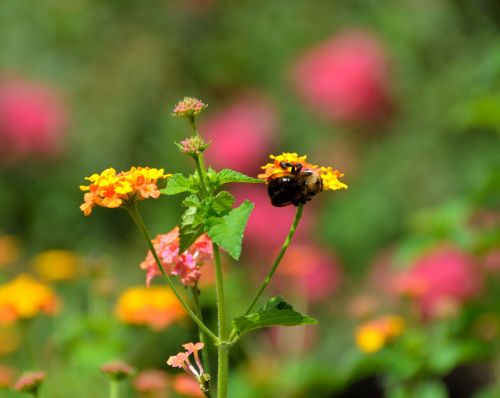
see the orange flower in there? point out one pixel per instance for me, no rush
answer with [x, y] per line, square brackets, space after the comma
[24, 297]
[329, 176]
[156, 307]
[372, 336]
[111, 189]
[56, 265]
[187, 386]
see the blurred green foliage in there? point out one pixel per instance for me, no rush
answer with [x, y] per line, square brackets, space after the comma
[416, 180]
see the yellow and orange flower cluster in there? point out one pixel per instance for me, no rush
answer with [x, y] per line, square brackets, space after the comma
[156, 307]
[373, 335]
[112, 189]
[329, 176]
[25, 297]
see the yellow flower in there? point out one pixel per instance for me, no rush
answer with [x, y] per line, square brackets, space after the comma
[24, 297]
[373, 335]
[56, 265]
[156, 307]
[9, 250]
[329, 176]
[111, 189]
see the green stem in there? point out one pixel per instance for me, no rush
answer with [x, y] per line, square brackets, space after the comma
[134, 213]
[113, 388]
[223, 347]
[200, 167]
[277, 261]
[197, 309]
[223, 369]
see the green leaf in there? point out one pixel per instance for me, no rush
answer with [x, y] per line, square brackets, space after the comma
[187, 236]
[193, 221]
[222, 203]
[227, 175]
[227, 231]
[177, 183]
[276, 312]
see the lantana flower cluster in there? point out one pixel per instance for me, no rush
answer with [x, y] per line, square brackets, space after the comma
[329, 176]
[373, 335]
[25, 297]
[30, 382]
[112, 189]
[189, 107]
[181, 360]
[186, 265]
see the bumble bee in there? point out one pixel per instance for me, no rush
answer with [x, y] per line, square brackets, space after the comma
[293, 187]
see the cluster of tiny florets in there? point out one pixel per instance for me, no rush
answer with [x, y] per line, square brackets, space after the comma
[189, 107]
[112, 189]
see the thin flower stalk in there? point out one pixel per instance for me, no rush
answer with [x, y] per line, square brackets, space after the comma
[298, 215]
[135, 215]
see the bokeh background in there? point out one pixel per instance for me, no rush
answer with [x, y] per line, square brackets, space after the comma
[403, 96]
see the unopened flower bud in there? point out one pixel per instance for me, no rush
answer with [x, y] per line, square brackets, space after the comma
[193, 145]
[117, 370]
[29, 382]
[189, 107]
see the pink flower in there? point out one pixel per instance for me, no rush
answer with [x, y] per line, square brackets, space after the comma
[185, 266]
[443, 277]
[268, 226]
[32, 119]
[310, 270]
[29, 382]
[345, 78]
[181, 360]
[242, 133]
[188, 107]
[117, 370]
[152, 383]
[187, 387]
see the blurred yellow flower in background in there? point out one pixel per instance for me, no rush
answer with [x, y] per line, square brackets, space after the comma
[373, 335]
[25, 297]
[57, 265]
[9, 250]
[156, 307]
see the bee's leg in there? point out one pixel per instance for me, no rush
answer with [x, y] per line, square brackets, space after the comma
[286, 165]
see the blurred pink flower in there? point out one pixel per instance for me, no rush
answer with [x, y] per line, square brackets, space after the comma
[187, 386]
[268, 226]
[151, 383]
[241, 134]
[186, 266]
[32, 119]
[345, 78]
[439, 280]
[492, 260]
[310, 270]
